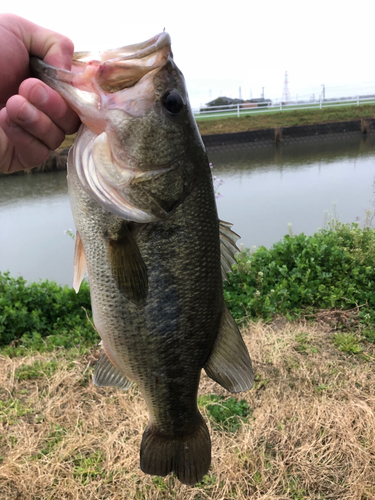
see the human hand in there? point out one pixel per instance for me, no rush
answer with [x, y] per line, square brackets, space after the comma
[34, 119]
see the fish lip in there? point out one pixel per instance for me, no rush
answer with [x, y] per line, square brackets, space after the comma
[134, 51]
[144, 49]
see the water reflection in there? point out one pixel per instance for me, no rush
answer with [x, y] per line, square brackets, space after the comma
[34, 212]
[265, 189]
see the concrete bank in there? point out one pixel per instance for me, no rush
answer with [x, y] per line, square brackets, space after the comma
[288, 135]
[250, 139]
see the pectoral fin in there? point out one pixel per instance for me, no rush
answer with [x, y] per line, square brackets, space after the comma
[79, 263]
[228, 248]
[107, 375]
[229, 363]
[128, 267]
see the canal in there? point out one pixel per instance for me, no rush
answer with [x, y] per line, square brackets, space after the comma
[266, 191]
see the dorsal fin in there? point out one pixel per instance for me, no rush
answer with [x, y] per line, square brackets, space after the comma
[228, 247]
[79, 263]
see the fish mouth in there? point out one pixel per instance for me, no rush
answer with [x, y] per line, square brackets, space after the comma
[117, 69]
[109, 71]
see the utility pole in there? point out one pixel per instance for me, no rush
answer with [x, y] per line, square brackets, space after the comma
[239, 92]
[263, 93]
[324, 91]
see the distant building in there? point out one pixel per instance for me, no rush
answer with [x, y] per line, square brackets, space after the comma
[224, 101]
[256, 103]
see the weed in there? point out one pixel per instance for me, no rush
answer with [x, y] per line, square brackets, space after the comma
[11, 409]
[257, 478]
[88, 467]
[347, 342]
[207, 482]
[35, 370]
[225, 413]
[159, 483]
[296, 492]
[55, 436]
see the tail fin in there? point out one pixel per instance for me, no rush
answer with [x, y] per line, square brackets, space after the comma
[189, 456]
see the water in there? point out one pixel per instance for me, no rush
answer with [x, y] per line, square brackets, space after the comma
[264, 190]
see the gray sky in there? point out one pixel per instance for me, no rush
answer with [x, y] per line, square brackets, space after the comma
[247, 44]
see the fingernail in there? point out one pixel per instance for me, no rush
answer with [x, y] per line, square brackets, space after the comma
[38, 95]
[26, 113]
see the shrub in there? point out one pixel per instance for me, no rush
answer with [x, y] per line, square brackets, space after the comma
[43, 314]
[334, 268]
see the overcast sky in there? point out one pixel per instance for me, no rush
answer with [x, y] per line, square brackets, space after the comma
[247, 43]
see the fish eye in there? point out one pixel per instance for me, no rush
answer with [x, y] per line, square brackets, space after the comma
[173, 102]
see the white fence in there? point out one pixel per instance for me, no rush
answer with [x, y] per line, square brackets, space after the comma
[244, 109]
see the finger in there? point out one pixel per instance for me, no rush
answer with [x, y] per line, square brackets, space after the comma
[29, 152]
[35, 122]
[51, 104]
[57, 50]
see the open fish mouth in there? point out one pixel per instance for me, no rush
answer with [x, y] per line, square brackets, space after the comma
[104, 73]
[122, 68]
[110, 91]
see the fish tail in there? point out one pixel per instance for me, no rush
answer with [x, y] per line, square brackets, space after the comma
[188, 456]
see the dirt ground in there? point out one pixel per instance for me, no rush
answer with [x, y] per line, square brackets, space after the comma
[310, 434]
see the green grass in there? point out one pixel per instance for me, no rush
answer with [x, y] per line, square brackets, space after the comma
[280, 119]
[347, 342]
[12, 409]
[225, 413]
[89, 467]
[35, 370]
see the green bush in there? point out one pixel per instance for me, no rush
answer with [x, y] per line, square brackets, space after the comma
[43, 315]
[334, 268]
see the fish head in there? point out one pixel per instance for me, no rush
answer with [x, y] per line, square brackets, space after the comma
[138, 149]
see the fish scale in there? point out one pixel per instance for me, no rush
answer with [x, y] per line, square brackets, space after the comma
[152, 246]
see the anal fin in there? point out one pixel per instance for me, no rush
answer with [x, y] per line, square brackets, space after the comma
[229, 363]
[79, 263]
[108, 375]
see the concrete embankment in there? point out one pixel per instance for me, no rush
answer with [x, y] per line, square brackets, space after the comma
[252, 138]
[285, 135]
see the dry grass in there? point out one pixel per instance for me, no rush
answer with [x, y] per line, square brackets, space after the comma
[311, 435]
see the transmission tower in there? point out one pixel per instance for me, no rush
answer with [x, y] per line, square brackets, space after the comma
[286, 93]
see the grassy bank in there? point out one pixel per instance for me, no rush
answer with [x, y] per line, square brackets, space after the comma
[276, 119]
[306, 430]
[285, 119]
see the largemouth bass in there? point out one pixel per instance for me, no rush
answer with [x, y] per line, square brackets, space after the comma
[152, 246]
